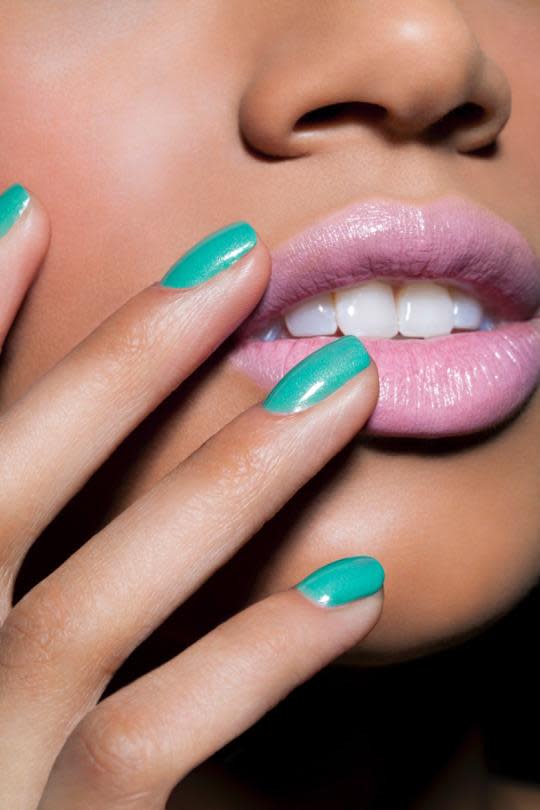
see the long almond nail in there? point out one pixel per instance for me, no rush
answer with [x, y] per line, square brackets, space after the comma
[211, 255]
[343, 581]
[318, 375]
[13, 202]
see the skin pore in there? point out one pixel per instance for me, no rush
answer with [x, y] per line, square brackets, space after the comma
[142, 131]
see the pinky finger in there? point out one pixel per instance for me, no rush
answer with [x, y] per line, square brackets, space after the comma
[136, 745]
[24, 237]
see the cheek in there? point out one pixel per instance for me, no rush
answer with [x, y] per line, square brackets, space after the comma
[509, 30]
[458, 535]
[115, 142]
[125, 177]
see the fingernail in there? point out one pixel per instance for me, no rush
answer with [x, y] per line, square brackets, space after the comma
[12, 204]
[211, 255]
[318, 375]
[343, 581]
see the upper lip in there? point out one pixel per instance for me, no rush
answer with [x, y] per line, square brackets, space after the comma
[449, 239]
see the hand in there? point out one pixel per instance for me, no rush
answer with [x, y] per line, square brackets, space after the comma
[60, 644]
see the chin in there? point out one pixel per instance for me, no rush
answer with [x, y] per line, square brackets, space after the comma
[418, 623]
[455, 525]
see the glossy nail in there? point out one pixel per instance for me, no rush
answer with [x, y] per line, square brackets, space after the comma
[318, 375]
[13, 202]
[211, 255]
[343, 581]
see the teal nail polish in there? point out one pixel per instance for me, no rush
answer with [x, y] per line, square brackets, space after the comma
[343, 581]
[318, 375]
[12, 203]
[211, 255]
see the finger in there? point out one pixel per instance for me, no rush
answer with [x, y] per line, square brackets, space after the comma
[24, 238]
[69, 422]
[118, 587]
[134, 747]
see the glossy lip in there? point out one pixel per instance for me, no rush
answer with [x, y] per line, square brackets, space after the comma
[447, 240]
[441, 386]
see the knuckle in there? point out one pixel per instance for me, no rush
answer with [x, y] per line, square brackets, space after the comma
[113, 751]
[128, 346]
[251, 467]
[135, 340]
[256, 459]
[34, 633]
[271, 635]
[277, 644]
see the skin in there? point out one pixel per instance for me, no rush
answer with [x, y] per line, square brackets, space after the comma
[131, 176]
[60, 644]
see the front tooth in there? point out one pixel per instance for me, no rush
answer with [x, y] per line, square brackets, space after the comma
[425, 310]
[314, 316]
[468, 313]
[367, 311]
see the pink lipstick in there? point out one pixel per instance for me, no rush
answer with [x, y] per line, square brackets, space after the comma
[456, 384]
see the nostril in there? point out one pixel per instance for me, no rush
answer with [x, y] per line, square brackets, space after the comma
[339, 115]
[464, 117]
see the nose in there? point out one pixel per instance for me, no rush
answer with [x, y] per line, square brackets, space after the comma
[412, 69]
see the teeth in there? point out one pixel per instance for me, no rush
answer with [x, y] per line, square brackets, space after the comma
[468, 313]
[375, 309]
[425, 310]
[367, 311]
[487, 324]
[314, 316]
[271, 332]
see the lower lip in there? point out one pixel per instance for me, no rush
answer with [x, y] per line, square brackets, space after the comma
[445, 386]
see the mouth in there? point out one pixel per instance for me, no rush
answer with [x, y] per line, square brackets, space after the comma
[445, 296]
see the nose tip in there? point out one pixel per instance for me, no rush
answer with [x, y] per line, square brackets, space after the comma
[445, 86]
[477, 121]
[416, 73]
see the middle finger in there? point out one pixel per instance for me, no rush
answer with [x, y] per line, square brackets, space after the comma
[71, 420]
[118, 587]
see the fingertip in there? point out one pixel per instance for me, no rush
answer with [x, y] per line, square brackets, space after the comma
[24, 228]
[343, 581]
[15, 199]
[257, 264]
[348, 594]
[37, 225]
[24, 239]
[372, 382]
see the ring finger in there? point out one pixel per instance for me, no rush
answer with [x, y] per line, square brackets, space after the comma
[63, 640]
[137, 744]
[24, 236]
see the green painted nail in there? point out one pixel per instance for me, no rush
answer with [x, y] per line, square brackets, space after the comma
[343, 581]
[12, 203]
[211, 255]
[318, 375]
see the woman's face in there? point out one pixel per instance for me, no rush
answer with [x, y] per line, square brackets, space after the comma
[144, 124]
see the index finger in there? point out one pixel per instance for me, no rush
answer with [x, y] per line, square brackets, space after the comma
[24, 238]
[69, 422]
